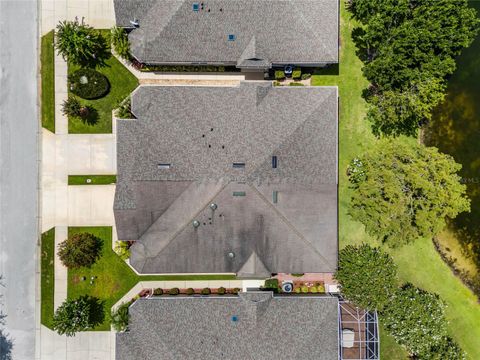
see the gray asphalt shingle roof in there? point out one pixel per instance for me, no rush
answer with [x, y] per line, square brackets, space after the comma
[287, 219]
[274, 31]
[202, 328]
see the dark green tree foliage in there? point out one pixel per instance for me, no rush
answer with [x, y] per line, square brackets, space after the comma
[79, 250]
[447, 348]
[79, 43]
[367, 276]
[73, 316]
[405, 191]
[71, 107]
[404, 43]
[415, 318]
[119, 40]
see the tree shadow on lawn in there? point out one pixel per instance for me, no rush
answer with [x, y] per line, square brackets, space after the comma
[104, 53]
[6, 346]
[97, 310]
[455, 130]
[92, 116]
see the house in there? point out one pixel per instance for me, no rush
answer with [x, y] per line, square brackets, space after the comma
[239, 179]
[253, 325]
[247, 34]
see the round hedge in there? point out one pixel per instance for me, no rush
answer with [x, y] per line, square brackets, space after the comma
[89, 84]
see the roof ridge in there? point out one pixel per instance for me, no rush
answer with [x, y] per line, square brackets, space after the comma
[288, 223]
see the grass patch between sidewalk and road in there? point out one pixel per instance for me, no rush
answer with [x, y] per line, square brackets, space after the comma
[47, 277]
[47, 72]
[94, 179]
[113, 278]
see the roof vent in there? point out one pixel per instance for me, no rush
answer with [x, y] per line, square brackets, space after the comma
[164, 166]
[195, 6]
[238, 165]
[231, 37]
[231, 255]
[239, 193]
[213, 206]
[234, 318]
[135, 22]
[274, 162]
[196, 223]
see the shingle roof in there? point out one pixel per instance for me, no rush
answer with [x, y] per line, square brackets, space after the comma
[201, 132]
[274, 31]
[266, 328]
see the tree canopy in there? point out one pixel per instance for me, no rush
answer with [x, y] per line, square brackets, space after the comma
[405, 191]
[405, 43]
[367, 276]
[79, 250]
[79, 43]
[416, 319]
[73, 316]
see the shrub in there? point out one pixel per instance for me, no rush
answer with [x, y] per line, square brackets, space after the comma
[174, 291]
[235, 291]
[415, 318]
[313, 289]
[71, 107]
[77, 315]
[367, 276]
[276, 83]
[119, 41]
[447, 348]
[120, 317]
[206, 291]
[88, 84]
[306, 76]
[279, 75]
[304, 289]
[298, 274]
[271, 284]
[124, 109]
[79, 250]
[221, 291]
[122, 249]
[79, 43]
[297, 73]
[296, 84]
[321, 288]
[158, 291]
[190, 291]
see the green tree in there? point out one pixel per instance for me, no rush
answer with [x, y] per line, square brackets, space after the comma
[79, 250]
[405, 191]
[447, 348]
[395, 112]
[73, 316]
[119, 40]
[367, 276]
[415, 318]
[120, 317]
[79, 43]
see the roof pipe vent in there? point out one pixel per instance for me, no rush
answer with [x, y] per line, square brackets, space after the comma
[196, 223]
[213, 206]
[135, 22]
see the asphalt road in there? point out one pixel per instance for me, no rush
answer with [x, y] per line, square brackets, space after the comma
[18, 175]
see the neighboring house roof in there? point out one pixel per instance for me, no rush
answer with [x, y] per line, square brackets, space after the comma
[261, 32]
[266, 327]
[201, 132]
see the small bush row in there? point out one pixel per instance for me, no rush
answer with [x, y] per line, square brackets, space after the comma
[191, 291]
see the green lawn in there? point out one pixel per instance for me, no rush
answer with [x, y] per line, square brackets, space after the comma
[95, 179]
[114, 278]
[47, 257]
[418, 263]
[47, 72]
[122, 83]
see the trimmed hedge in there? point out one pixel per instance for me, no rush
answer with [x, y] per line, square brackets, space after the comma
[158, 291]
[206, 291]
[190, 291]
[279, 74]
[296, 84]
[88, 84]
[297, 73]
[221, 291]
[174, 291]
